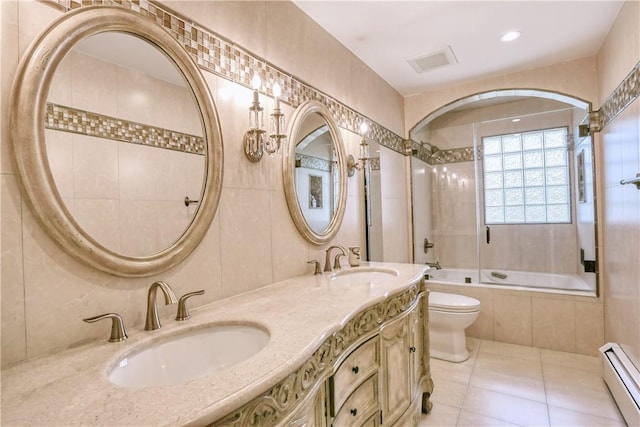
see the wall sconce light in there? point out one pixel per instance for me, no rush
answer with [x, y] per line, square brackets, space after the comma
[255, 143]
[352, 165]
[277, 139]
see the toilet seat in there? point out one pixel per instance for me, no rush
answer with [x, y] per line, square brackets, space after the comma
[453, 303]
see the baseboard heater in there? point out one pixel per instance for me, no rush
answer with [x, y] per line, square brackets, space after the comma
[623, 380]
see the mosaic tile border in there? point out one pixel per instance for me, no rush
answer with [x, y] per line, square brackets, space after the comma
[626, 92]
[311, 162]
[215, 54]
[68, 119]
[374, 163]
[454, 155]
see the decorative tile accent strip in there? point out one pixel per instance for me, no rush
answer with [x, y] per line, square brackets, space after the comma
[68, 119]
[420, 152]
[454, 155]
[215, 54]
[374, 163]
[311, 162]
[626, 92]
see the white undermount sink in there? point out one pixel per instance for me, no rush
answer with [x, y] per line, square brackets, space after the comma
[363, 275]
[190, 355]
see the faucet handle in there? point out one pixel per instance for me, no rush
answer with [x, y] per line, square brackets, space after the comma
[318, 270]
[183, 311]
[118, 333]
[336, 262]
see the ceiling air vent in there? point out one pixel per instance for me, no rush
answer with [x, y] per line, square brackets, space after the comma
[433, 60]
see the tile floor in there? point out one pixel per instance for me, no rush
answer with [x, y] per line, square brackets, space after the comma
[512, 385]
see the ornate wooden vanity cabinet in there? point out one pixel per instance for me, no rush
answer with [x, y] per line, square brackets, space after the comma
[373, 372]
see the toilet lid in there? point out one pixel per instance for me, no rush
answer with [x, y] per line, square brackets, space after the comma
[453, 302]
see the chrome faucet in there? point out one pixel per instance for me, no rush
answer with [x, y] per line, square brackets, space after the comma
[153, 322]
[327, 260]
[435, 265]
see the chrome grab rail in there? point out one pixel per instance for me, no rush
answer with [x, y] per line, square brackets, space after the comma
[635, 181]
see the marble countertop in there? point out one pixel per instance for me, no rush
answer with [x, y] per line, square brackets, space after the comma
[72, 387]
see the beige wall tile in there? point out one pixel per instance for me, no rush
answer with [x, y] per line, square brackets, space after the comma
[620, 50]
[9, 56]
[483, 326]
[553, 324]
[512, 319]
[246, 238]
[589, 327]
[13, 310]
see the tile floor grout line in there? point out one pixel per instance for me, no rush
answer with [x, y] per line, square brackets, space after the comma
[473, 366]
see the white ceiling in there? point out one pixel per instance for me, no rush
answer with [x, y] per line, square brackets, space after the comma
[385, 34]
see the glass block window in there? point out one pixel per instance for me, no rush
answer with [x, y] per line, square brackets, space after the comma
[526, 177]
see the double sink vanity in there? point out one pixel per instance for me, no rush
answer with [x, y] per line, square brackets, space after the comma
[330, 349]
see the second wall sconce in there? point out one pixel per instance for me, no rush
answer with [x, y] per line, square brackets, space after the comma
[255, 143]
[352, 165]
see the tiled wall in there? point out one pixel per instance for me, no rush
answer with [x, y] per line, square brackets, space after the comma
[252, 241]
[619, 61]
[557, 322]
[543, 248]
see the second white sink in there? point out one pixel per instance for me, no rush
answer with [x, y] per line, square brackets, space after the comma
[363, 275]
[191, 355]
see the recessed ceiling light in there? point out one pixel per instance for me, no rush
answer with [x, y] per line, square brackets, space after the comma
[510, 36]
[515, 120]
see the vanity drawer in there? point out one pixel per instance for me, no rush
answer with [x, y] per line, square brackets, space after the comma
[360, 406]
[358, 366]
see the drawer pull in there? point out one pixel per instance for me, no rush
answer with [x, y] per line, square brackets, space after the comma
[355, 369]
[354, 412]
[412, 349]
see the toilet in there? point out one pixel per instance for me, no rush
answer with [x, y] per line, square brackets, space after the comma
[449, 315]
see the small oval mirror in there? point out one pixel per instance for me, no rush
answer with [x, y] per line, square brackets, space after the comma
[315, 173]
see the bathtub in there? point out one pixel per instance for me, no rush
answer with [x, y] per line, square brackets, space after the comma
[571, 284]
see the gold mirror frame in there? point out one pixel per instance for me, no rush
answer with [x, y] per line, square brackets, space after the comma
[288, 172]
[29, 96]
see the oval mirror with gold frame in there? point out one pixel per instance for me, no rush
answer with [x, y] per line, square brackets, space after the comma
[29, 109]
[315, 173]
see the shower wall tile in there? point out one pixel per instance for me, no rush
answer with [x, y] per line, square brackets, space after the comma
[554, 324]
[512, 318]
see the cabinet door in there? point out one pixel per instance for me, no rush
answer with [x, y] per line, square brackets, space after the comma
[416, 326]
[395, 380]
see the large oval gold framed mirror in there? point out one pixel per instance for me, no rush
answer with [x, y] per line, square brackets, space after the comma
[116, 141]
[315, 173]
